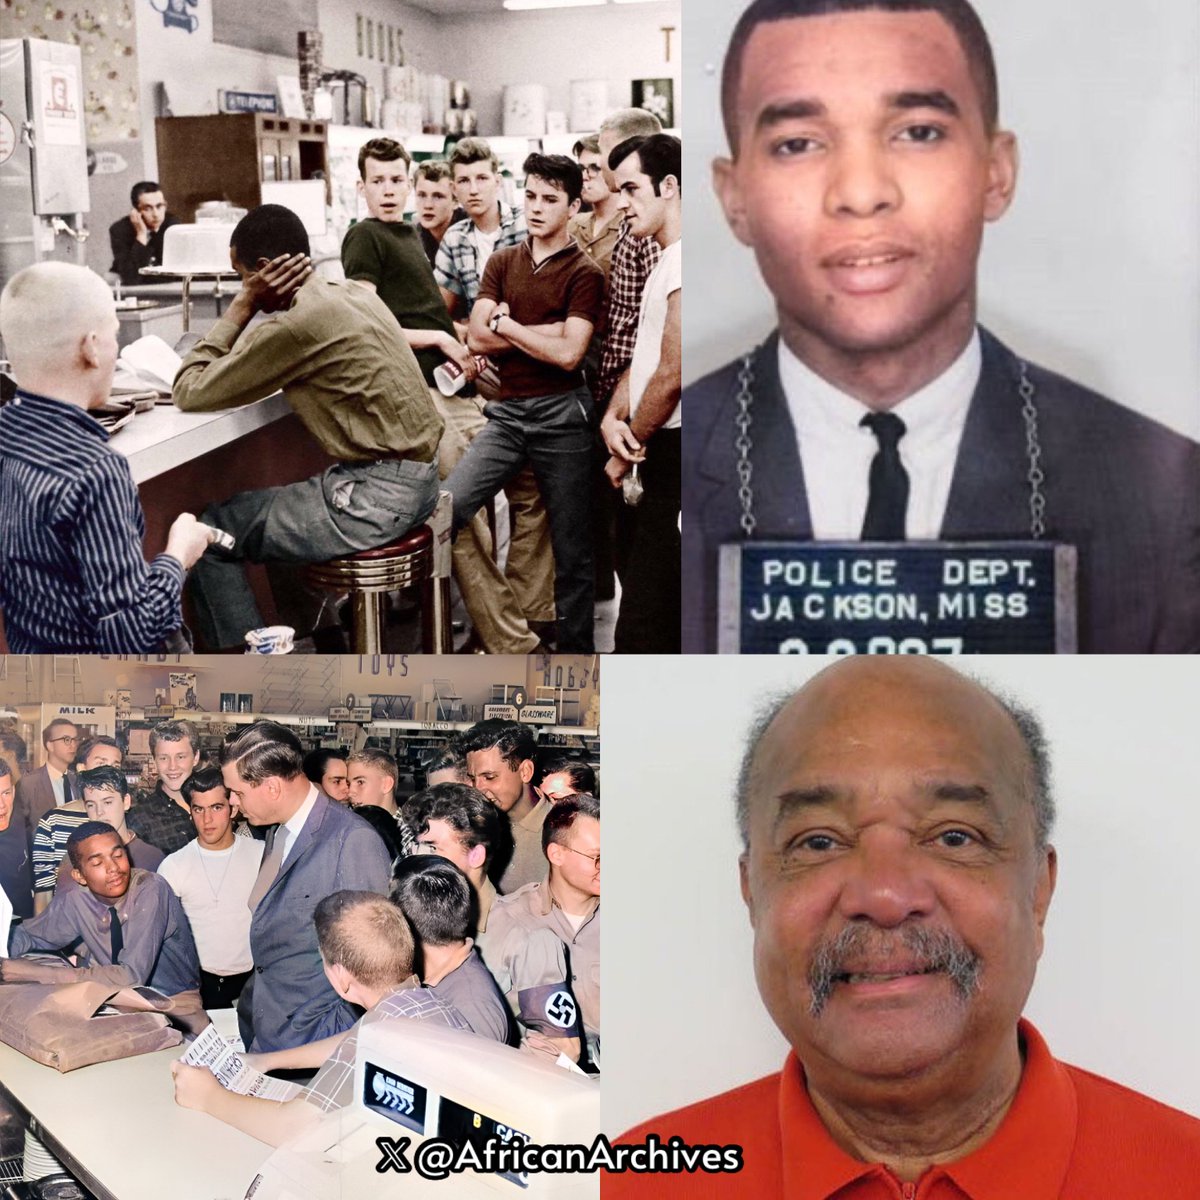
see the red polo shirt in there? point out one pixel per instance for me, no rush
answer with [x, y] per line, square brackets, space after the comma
[1069, 1135]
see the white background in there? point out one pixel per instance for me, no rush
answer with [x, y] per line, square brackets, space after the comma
[1095, 270]
[1117, 985]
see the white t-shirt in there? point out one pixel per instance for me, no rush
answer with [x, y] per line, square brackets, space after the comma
[484, 244]
[214, 886]
[666, 278]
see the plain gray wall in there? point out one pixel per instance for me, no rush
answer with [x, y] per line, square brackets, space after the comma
[1094, 270]
[1116, 987]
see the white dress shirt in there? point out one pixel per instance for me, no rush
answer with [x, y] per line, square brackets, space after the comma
[836, 450]
[296, 823]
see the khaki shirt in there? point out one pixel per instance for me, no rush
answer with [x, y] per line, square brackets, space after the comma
[487, 897]
[528, 863]
[598, 246]
[535, 955]
[341, 361]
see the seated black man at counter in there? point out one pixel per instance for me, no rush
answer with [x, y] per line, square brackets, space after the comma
[118, 915]
[72, 575]
[317, 847]
[137, 238]
[366, 951]
[348, 373]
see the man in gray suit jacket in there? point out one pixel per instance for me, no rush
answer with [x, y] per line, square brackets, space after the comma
[39, 791]
[866, 157]
[316, 847]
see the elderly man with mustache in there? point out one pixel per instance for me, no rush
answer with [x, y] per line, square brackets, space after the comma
[897, 870]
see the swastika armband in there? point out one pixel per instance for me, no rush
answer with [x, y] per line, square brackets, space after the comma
[550, 1009]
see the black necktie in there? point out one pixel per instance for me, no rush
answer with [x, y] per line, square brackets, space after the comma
[887, 502]
[114, 932]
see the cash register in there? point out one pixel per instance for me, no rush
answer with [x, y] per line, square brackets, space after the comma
[416, 1081]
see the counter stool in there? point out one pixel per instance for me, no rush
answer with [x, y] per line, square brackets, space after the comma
[421, 557]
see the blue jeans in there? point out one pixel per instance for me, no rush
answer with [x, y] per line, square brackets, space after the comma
[554, 435]
[349, 507]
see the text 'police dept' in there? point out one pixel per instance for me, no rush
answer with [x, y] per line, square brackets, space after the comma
[963, 579]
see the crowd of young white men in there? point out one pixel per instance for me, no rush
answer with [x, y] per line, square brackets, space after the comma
[559, 324]
[301, 890]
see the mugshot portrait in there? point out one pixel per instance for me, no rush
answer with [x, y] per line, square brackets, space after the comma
[1073, 279]
[1112, 988]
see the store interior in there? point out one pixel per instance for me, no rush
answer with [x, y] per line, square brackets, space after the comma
[408, 706]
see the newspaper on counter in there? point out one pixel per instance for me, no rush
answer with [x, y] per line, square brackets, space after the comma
[211, 1050]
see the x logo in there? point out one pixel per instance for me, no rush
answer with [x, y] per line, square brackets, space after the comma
[393, 1158]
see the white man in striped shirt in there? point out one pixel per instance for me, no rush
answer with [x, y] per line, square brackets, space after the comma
[72, 574]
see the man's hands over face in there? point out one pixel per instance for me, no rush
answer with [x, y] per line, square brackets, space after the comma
[272, 286]
[139, 226]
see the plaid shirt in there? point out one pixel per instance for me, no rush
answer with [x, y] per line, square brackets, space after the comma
[333, 1085]
[632, 261]
[457, 265]
[157, 819]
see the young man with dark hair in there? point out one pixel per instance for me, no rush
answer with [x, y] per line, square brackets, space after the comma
[500, 758]
[327, 342]
[564, 911]
[16, 876]
[537, 308]
[436, 207]
[643, 428]
[117, 916]
[383, 254]
[162, 816]
[564, 776]
[448, 765]
[881, 410]
[366, 953]
[461, 825]
[316, 847]
[50, 836]
[437, 899]
[213, 876]
[137, 239]
[106, 799]
[327, 769]
[54, 783]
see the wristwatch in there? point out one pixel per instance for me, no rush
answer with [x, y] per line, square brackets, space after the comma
[494, 323]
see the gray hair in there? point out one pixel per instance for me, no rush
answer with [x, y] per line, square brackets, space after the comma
[1038, 783]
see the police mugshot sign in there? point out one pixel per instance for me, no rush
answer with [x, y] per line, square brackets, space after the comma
[897, 598]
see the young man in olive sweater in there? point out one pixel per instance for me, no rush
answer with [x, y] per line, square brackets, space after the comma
[385, 253]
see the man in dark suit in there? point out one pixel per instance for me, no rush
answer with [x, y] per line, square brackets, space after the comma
[55, 783]
[137, 238]
[316, 847]
[866, 159]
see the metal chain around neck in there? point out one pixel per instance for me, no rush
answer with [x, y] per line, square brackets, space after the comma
[744, 445]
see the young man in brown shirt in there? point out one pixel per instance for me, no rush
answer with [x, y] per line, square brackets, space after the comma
[537, 307]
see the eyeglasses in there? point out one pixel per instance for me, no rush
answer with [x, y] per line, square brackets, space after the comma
[592, 169]
[71, 741]
[594, 859]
